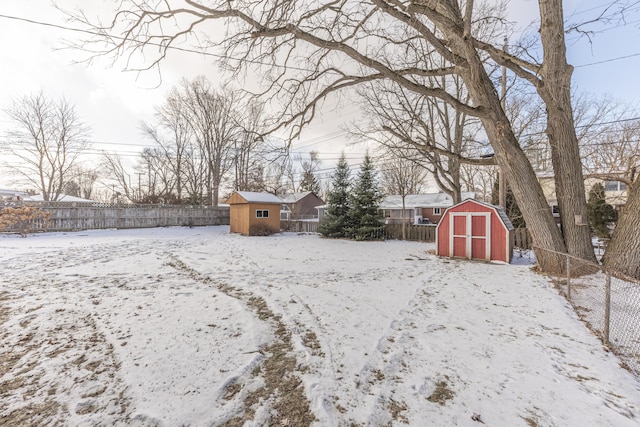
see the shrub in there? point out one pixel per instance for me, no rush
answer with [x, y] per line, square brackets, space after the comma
[24, 219]
[262, 229]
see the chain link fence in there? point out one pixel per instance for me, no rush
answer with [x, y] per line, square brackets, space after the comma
[609, 304]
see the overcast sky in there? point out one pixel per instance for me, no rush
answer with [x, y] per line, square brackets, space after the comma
[114, 102]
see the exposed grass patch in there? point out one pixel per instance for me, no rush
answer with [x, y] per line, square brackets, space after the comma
[442, 393]
[397, 409]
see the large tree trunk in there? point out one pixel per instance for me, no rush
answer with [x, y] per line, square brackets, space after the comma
[529, 196]
[623, 251]
[515, 165]
[565, 154]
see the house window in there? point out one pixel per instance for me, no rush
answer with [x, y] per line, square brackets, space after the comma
[614, 186]
[262, 213]
[555, 210]
[436, 211]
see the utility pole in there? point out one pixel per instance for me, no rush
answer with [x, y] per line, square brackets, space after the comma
[139, 186]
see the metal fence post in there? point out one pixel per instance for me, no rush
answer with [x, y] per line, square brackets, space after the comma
[568, 278]
[607, 307]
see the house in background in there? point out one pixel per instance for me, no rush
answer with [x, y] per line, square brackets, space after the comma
[615, 192]
[419, 208]
[12, 195]
[61, 198]
[300, 206]
[248, 209]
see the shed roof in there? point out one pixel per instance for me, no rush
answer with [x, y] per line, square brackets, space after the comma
[255, 197]
[429, 200]
[501, 212]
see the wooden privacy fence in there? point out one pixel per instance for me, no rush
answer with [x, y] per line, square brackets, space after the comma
[522, 238]
[68, 216]
[299, 226]
[417, 233]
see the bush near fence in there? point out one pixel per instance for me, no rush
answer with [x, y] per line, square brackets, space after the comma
[69, 216]
[609, 304]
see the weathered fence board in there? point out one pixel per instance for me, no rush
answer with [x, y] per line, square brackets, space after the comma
[299, 226]
[416, 233]
[89, 216]
[522, 238]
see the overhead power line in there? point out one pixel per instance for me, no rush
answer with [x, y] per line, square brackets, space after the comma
[214, 55]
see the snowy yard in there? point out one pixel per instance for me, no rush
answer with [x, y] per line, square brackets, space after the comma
[198, 327]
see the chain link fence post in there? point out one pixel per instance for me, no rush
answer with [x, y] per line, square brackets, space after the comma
[569, 279]
[607, 307]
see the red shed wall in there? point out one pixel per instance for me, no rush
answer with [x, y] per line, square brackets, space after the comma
[500, 237]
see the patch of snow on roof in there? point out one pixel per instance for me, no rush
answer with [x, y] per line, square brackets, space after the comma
[430, 200]
[61, 198]
[255, 197]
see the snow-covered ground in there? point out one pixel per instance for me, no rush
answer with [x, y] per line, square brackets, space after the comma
[198, 327]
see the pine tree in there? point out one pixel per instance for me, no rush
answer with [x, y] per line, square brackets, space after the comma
[364, 216]
[600, 213]
[309, 182]
[335, 218]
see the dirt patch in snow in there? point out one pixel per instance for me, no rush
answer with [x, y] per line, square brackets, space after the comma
[441, 394]
[283, 390]
[53, 367]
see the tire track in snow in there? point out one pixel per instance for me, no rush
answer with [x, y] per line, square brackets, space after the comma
[282, 391]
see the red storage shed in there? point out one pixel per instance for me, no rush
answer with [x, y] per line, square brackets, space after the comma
[475, 230]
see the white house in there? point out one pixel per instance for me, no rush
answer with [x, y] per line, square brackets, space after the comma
[419, 208]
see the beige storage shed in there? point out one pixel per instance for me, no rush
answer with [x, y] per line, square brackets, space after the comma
[249, 209]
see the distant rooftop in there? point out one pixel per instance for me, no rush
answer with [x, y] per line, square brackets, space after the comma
[62, 198]
[430, 200]
[294, 197]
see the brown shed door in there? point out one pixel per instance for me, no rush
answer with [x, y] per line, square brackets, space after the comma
[470, 235]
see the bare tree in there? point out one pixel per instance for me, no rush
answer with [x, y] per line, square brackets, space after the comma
[173, 136]
[249, 147]
[378, 40]
[210, 115]
[118, 177]
[425, 130]
[81, 182]
[403, 177]
[48, 139]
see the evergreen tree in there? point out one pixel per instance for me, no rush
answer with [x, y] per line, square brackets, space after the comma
[364, 217]
[335, 218]
[309, 182]
[600, 213]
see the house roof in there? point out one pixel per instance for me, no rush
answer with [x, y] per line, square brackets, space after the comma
[294, 197]
[255, 197]
[12, 193]
[430, 200]
[61, 198]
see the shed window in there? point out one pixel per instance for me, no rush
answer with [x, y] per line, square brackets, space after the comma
[436, 211]
[262, 213]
